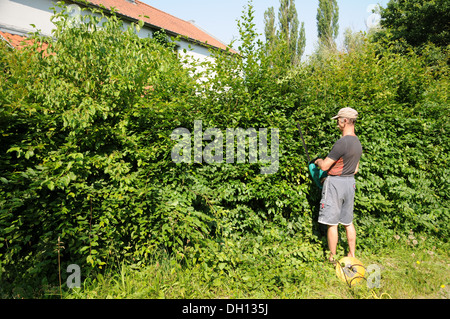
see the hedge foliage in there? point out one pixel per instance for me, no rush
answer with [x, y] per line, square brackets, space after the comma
[86, 149]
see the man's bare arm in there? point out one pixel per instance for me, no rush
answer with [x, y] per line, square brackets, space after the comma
[324, 164]
[357, 168]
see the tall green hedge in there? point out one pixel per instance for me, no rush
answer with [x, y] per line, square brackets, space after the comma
[86, 148]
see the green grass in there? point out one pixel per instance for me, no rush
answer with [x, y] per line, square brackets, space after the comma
[411, 266]
[419, 270]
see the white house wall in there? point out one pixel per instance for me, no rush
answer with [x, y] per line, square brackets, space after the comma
[192, 54]
[16, 16]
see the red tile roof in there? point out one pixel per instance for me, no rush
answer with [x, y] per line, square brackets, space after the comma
[160, 19]
[14, 40]
[19, 41]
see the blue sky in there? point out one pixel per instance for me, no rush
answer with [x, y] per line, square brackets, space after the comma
[218, 17]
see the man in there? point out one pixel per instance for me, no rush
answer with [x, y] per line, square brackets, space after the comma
[338, 192]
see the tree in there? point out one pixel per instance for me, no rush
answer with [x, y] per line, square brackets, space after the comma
[270, 31]
[327, 21]
[418, 21]
[269, 25]
[288, 34]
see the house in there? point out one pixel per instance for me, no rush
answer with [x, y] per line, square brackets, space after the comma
[18, 16]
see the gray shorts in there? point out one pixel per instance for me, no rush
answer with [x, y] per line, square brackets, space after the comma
[336, 205]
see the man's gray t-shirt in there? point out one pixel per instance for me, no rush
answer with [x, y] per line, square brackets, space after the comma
[346, 152]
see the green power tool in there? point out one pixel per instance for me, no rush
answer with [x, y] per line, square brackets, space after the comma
[316, 174]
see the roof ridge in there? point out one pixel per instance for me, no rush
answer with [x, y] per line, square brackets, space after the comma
[146, 4]
[191, 23]
[211, 35]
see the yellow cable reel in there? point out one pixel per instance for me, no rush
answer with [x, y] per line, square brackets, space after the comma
[350, 270]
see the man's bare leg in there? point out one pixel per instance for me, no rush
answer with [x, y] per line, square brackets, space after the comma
[332, 236]
[351, 238]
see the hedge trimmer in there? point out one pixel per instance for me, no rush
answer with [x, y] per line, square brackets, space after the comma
[316, 173]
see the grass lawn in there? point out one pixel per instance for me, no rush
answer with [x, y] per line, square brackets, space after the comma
[407, 271]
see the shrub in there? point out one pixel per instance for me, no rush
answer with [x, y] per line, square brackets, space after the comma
[86, 149]
[84, 146]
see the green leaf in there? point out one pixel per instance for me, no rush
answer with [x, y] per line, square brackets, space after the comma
[51, 185]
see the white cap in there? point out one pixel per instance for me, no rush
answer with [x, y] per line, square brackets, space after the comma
[346, 112]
